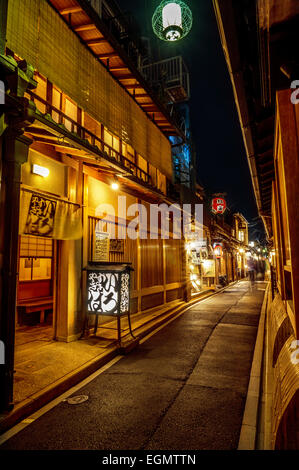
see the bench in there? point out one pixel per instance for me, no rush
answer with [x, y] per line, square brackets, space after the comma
[40, 304]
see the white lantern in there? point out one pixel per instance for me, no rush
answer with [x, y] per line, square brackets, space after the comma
[172, 21]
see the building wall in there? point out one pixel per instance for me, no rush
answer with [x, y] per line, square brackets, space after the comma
[157, 264]
[283, 313]
[30, 35]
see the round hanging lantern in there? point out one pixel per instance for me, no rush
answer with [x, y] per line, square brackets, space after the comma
[218, 205]
[172, 20]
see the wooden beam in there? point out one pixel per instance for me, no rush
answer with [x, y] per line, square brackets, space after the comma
[70, 10]
[118, 69]
[132, 87]
[108, 55]
[124, 77]
[84, 27]
[96, 42]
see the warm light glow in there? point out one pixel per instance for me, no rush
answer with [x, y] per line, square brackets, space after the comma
[193, 277]
[40, 170]
[241, 250]
[172, 21]
[251, 244]
[172, 15]
[115, 186]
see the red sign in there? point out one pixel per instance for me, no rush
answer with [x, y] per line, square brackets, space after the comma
[218, 251]
[218, 205]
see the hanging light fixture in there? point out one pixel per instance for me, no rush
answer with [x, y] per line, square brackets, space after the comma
[172, 20]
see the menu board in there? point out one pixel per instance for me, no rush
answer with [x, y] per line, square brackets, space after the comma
[101, 246]
[208, 268]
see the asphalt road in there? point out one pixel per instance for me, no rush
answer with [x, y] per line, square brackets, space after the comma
[183, 389]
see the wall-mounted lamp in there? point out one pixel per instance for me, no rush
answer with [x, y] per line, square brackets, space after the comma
[40, 170]
[115, 186]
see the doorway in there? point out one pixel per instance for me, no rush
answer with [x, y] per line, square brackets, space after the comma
[35, 300]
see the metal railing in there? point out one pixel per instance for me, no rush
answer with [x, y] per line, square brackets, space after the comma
[74, 127]
[169, 73]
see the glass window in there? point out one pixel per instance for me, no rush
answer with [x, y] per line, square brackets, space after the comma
[32, 269]
[116, 143]
[283, 208]
[41, 90]
[108, 139]
[71, 111]
[56, 101]
[241, 235]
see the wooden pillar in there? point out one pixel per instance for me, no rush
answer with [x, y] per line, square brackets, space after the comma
[14, 153]
[164, 270]
[85, 247]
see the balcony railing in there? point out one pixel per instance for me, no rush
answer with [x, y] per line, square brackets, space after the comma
[123, 27]
[172, 75]
[74, 127]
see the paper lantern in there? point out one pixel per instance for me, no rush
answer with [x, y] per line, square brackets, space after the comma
[108, 289]
[172, 20]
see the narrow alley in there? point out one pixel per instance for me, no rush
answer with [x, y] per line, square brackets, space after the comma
[184, 387]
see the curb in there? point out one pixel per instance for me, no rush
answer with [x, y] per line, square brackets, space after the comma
[248, 434]
[36, 401]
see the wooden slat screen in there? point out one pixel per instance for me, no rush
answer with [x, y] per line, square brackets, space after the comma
[130, 247]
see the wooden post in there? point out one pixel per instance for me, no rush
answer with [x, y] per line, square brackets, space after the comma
[15, 153]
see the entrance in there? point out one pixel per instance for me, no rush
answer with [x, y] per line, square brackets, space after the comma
[35, 283]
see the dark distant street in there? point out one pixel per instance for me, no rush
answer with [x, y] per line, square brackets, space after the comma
[184, 388]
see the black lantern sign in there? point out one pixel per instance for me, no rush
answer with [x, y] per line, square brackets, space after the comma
[108, 293]
[108, 289]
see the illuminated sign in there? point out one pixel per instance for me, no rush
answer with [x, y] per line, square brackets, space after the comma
[218, 205]
[108, 290]
[218, 251]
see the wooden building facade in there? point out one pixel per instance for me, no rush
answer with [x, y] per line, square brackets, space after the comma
[81, 131]
[260, 40]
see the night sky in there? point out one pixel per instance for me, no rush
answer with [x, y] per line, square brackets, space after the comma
[221, 157]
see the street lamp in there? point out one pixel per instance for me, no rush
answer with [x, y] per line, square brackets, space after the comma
[172, 20]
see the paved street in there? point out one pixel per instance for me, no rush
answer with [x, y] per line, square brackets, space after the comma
[183, 389]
